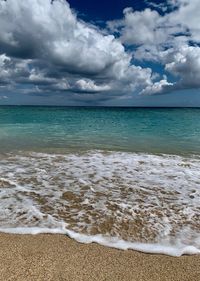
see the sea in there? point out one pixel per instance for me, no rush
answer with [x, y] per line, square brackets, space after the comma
[127, 178]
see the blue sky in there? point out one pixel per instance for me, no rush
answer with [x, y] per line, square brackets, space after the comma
[105, 10]
[120, 53]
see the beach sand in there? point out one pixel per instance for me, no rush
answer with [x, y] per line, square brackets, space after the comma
[57, 257]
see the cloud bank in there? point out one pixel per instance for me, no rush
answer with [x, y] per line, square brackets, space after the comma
[45, 46]
[45, 49]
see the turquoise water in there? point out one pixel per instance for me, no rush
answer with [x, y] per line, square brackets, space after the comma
[121, 177]
[174, 131]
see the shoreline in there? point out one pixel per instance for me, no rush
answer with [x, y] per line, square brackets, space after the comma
[58, 257]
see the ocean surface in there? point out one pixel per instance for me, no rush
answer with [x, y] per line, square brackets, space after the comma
[123, 177]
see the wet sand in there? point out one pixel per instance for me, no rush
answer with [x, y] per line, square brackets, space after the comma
[57, 257]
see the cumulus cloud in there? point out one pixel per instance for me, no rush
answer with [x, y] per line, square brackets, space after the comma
[171, 39]
[90, 87]
[185, 64]
[187, 16]
[163, 86]
[140, 27]
[150, 27]
[45, 49]
[49, 47]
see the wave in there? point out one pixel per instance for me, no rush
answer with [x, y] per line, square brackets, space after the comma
[175, 250]
[144, 202]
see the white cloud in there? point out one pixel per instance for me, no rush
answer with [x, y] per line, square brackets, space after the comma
[145, 27]
[142, 27]
[90, 86]
[38, 77]
[165, 39]
[50, 48]
[151, 28]
[158, 87]
[187, 15]
[185, 64]
[53, 33]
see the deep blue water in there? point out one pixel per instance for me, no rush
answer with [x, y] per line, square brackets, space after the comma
[154, 130]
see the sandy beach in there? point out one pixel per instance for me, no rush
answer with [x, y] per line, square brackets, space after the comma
[57, 257]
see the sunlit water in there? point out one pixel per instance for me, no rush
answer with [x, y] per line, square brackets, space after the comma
[127, 178]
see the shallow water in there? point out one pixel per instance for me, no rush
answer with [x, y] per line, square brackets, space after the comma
[50, 182]
[173, 131]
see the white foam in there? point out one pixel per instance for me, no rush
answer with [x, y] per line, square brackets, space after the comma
[113, 242]
[156, 197]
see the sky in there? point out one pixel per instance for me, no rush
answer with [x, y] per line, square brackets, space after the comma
[100, 53]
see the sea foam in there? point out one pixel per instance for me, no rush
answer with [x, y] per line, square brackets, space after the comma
[144, 202]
